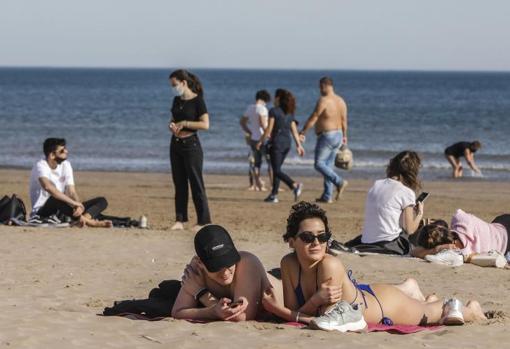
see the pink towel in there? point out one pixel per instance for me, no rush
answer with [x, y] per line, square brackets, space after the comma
[401, 329]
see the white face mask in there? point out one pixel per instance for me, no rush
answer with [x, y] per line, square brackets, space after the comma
[178, 90]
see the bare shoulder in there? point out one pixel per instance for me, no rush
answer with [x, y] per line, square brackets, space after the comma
[250, 262]
[340, 101]
[249, 258]
[331, 263]
[289, 261]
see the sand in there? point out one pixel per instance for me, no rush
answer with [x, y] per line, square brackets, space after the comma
[54, 282]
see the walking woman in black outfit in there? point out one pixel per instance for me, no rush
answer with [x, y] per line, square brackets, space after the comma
[281, 127]
[189, 114]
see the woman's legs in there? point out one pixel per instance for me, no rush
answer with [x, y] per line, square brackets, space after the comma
[180, 179]
[194, 163]
[277, 159]
[404, 310]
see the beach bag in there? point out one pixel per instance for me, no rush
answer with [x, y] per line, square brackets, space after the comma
[344, 159]
[12, 208]
[159, 303]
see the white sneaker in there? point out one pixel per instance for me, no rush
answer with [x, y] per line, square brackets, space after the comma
[343, 317]
[452, 258]
[452, 313]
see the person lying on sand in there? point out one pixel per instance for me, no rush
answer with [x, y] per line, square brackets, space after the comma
[52, 189]
[319, 291]
[221, 283]
[467, 233]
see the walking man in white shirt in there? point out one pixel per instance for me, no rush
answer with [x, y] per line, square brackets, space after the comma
[254, 122]
[52, 189]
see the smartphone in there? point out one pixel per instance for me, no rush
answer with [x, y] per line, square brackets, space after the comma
[422, 197]
[236, 303]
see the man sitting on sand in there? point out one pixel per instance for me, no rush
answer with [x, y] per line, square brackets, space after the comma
[52, 189]
[330, 120]
[221, 283]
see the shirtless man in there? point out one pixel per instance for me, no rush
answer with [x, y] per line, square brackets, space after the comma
[330, 120]
[222, 283]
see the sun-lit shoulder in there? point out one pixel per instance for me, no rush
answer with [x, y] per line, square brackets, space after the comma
[332, 262]
[288, 260]
[248, 257]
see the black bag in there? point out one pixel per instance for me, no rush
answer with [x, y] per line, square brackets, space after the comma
[12, 207]
[159, 303]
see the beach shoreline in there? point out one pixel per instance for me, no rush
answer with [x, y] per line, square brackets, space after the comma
[54, 281]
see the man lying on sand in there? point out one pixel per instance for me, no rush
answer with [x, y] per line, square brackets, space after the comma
[222, 283]
[52, 189]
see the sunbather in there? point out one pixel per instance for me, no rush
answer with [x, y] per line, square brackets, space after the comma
[316, 286]
[467, 233]
[221, 283]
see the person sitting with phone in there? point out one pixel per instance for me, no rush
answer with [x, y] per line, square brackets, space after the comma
[221, 283]
[392, 212]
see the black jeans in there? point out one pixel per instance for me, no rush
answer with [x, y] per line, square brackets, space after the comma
[54, 206]
[186, 159]
[277, 156]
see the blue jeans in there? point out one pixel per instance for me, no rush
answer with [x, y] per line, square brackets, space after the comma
[326, 148]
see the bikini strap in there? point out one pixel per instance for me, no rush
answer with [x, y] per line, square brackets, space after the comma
[353, 280]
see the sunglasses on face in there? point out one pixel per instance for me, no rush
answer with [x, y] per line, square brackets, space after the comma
[308, 237]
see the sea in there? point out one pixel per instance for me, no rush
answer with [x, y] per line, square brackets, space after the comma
[116, 119]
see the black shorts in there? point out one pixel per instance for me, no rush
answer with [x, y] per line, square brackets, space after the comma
[504, 220]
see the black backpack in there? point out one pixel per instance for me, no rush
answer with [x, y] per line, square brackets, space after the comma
[12, 207]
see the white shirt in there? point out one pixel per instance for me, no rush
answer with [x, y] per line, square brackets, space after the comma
[61, 177]
[252, 113]
[386, 201]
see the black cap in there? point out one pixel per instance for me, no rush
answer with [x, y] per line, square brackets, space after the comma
[215, 248]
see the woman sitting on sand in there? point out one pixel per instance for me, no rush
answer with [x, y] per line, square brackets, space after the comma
[468, 233]
[391, 211]
[222, 283]
[319, 290]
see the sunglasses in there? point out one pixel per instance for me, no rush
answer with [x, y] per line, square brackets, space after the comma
[308, 237]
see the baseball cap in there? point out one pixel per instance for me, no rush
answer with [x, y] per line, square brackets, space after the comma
[215, 248]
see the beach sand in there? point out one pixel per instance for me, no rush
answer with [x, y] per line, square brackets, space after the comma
[54, 282]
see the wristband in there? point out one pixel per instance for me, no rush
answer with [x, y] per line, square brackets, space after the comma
[200, 293]
[297, 316]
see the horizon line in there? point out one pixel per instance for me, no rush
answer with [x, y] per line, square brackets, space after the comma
[256, 69]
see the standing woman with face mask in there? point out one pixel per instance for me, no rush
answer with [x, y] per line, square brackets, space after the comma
[189, 114]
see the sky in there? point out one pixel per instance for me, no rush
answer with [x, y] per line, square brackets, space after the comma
[276, 34]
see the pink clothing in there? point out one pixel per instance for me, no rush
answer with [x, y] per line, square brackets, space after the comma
[478, 236]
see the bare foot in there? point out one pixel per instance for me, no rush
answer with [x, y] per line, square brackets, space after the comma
[340, 189]
[197, 227]
[98, 224]
[476, 310]
[252, 188]
[177, 226]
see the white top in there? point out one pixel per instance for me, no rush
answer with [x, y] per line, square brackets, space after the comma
[61, 177]
[385, 204]
[252, 113]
